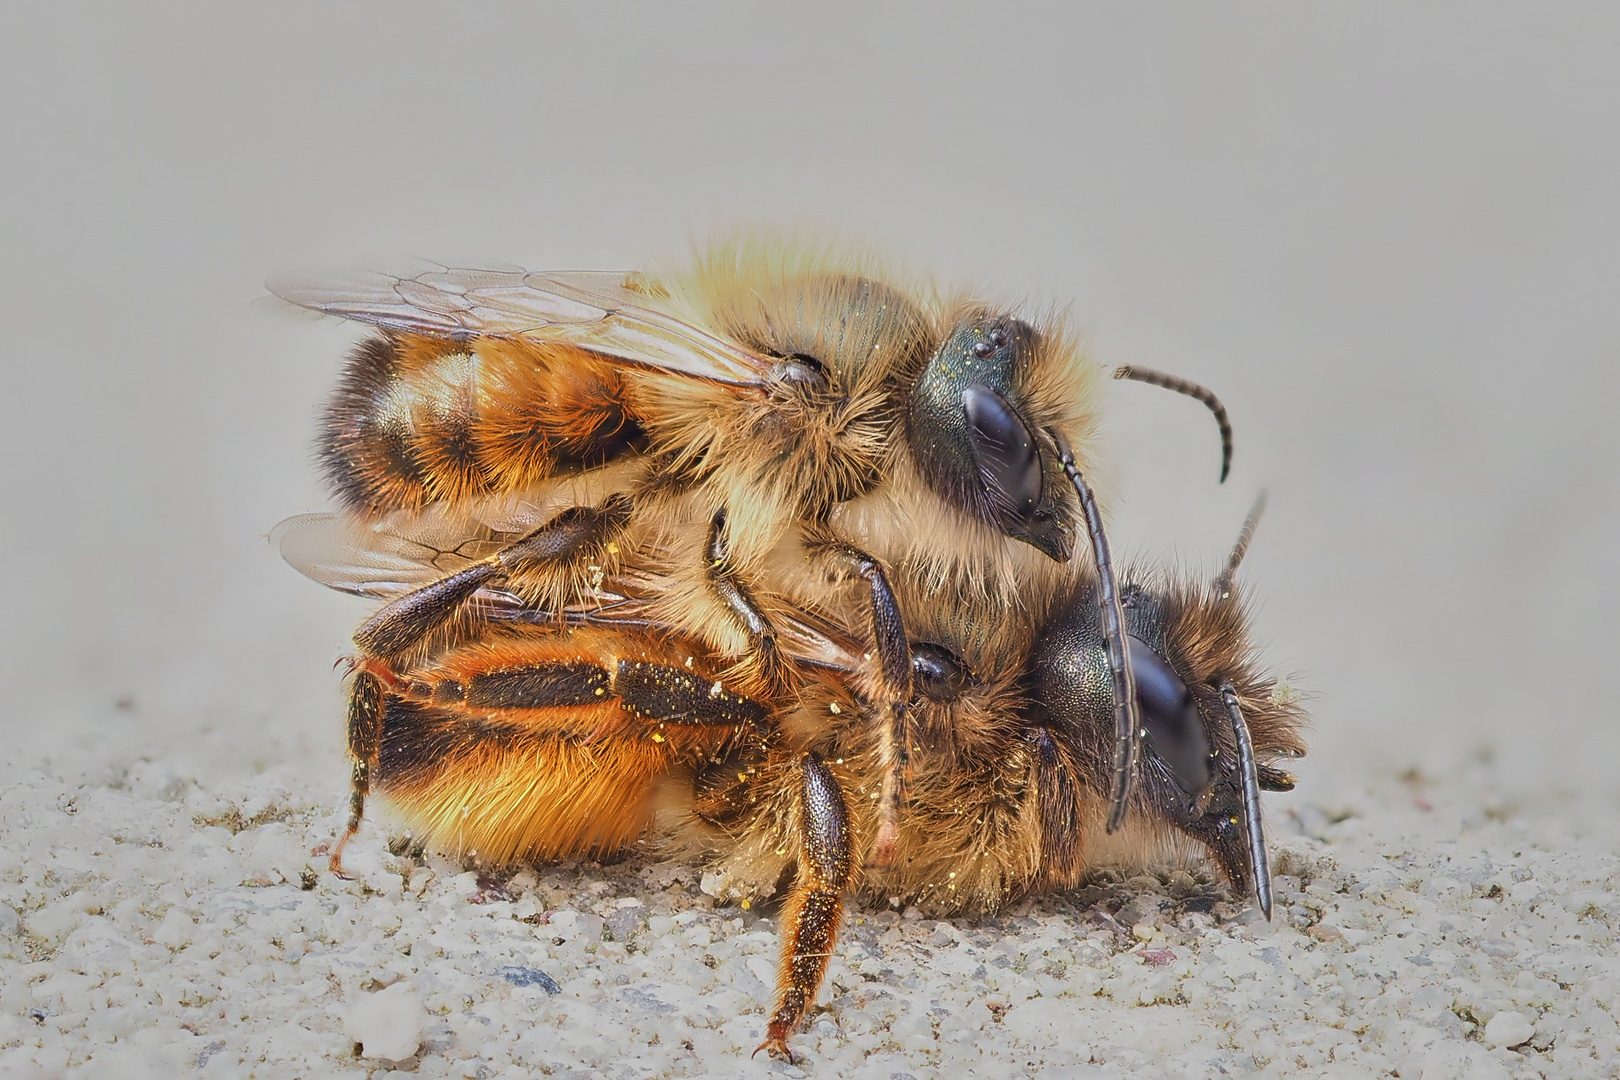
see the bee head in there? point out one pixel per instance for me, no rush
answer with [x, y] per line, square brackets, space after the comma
[1195, 684]
[973, 440]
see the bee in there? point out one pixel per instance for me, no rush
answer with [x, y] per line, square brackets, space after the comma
[543, 734]
[747, 415]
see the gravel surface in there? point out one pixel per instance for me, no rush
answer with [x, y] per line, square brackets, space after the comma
[154, 924]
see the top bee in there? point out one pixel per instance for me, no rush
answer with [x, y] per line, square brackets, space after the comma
[774, 388]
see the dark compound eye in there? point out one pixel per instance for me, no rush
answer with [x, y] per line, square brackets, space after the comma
[1175, 729]
[1005, 451]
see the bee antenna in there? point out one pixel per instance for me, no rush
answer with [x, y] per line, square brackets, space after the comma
[1259, 867]
[1126, 722]
[1192, 390]
[1223, 583]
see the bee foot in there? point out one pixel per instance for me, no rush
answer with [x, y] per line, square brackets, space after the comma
[776, 1047]
[335, 863]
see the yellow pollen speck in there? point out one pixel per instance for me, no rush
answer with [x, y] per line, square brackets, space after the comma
[600, 691]
[612, 548]
[657, 737]
[742, 776]
[747, 903]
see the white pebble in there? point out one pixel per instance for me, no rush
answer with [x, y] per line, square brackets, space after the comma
[387, 1024]
[1508, 1029]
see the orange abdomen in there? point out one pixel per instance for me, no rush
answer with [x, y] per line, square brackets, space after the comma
[547, 745]
[416, 420]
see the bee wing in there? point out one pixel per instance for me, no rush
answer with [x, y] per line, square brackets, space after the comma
[386, 559]
[603, 312]
[375, 559]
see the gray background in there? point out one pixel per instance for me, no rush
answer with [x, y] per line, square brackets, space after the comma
[1386, 235]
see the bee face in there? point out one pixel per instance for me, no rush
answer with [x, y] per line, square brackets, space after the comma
[974, 444]
[1198, 696]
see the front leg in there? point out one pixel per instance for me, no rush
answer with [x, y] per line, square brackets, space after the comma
[816, 904]
[729, 586]
[893, 692]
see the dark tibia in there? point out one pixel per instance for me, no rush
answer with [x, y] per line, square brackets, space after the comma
[677, 696]
[576, 531]
[816, 904]
[405, 622]
[888, 628]
[894, 664]
[649, 691]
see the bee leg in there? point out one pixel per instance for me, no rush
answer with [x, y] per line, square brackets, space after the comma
[674, 695]
[816, 904]
[365, 736]
[728, 585]
[406, 621]
[894, 690]
[647, 690]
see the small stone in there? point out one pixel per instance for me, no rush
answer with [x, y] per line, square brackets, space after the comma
[1508, 1029]
[527, 976]
[387, 1024]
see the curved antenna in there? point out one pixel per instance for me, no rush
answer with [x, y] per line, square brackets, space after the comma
[1127, 724]
[1192, 390]
[1223, 583]
[1259, 868]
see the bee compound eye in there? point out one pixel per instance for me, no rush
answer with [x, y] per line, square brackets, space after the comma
[937, 673]
[1175, 728]
[1004, 448]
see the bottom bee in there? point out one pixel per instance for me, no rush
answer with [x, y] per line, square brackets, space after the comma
[542, 735]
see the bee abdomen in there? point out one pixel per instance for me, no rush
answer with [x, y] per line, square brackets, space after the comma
[416, 420]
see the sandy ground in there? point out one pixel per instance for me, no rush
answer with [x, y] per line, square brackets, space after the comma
[1386, 236]
[152, 924]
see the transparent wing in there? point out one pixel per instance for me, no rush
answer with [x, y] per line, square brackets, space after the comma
[386, 559]
[379, 559]
[607, 313]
